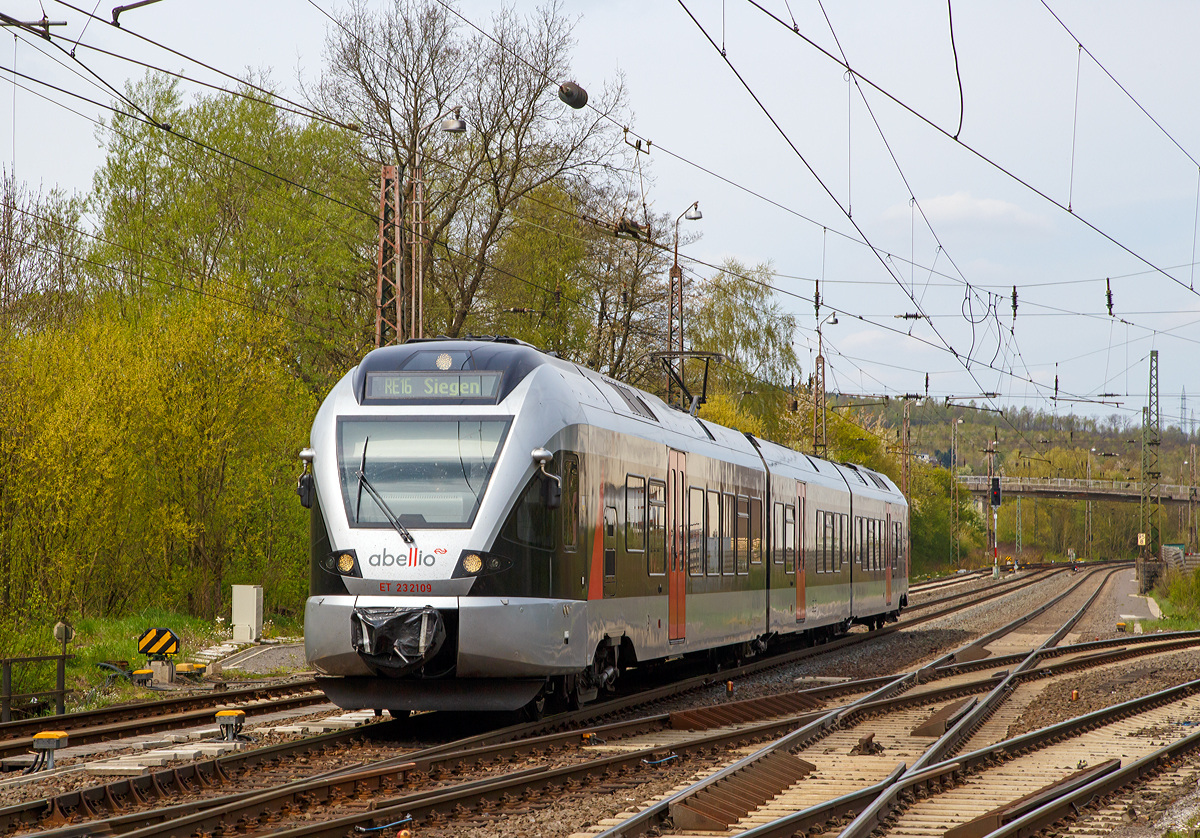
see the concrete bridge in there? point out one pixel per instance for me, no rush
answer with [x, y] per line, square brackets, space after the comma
[1128, 491]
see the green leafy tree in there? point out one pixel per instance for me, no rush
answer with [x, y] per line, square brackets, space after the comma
[241, 201]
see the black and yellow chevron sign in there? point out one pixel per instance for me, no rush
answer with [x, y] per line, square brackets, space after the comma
[158, 641]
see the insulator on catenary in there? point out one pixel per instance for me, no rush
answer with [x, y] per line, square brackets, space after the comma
[1014, 302]
[1108, 294]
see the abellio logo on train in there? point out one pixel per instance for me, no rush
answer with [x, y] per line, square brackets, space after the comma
[414, 558]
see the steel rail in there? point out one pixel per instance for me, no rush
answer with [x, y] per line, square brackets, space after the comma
[160, 707]
[155, 724]
[931, 778]
[202, 773]
[657, 813]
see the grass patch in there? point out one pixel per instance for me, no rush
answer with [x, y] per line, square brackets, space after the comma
[1178, 596]
[100, 639]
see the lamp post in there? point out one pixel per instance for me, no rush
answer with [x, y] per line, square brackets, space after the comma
[675, 295]
[452, 123]
[819, 442]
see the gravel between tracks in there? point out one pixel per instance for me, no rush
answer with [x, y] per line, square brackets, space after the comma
[900, 652]
[1106, 687]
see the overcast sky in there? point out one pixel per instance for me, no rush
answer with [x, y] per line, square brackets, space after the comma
[1020, 69]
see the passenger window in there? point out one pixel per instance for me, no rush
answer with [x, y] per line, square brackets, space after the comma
[742, 536]
[714, 534]
[819, 532]
[635, 513]
[728, 533]
[789, 539]
[777, 534]
[656, 553]
[862, 542]
[696, 532]
[610, 542]
[570, 501]
[756, 531]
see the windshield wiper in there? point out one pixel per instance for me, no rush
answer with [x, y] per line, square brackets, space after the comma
[363, 482]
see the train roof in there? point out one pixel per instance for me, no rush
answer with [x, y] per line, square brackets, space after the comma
[514, 360]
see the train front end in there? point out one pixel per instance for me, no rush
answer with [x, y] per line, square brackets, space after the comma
[416, 459]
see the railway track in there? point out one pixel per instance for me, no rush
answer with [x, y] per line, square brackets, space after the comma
[175, 713]
[273, 808]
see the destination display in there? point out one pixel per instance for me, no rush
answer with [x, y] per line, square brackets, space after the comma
[425, 386]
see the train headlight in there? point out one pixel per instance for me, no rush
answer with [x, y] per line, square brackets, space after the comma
[342, 563]
[474, 563]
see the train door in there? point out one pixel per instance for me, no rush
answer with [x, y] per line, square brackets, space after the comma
[676, 576]
[801, 564]
[889, 560]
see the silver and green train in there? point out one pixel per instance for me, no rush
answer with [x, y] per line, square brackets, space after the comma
[493, 526]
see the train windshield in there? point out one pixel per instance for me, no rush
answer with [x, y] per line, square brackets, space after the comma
[428, 472]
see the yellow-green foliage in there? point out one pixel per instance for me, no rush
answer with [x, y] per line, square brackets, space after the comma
[147, 458]
[725, 410]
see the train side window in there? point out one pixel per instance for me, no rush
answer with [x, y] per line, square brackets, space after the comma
[819, 532]
[610, 542]
[696, 532]
[839, 538]
[635, 513]
[570, 502]
[742, 537]
[869, 561]
[898, 546]
[789, 539]
[728, 533]
[801, 545]
[756, 531]
[777, 534]
[844, 556]
[656, 537]
[861, 553]
[714, 534]
[883, 549]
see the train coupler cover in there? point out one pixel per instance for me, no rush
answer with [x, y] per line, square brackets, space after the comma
[397, 640]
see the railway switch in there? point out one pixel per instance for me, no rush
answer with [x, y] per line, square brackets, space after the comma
[142, 677]
[231, 723]
[49, 741]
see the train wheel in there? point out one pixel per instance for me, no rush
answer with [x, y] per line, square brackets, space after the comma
[535, 709]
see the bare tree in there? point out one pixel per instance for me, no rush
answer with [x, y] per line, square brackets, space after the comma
[41, 248]
[395, 73]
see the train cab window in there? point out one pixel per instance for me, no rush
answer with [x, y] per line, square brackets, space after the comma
[635, 513]
[713, 550]
[530, 522]
[741, 538]
[728, 533]
[789, 539]
[756, 531]
[570, 502]
[656, 535]
[696, 532]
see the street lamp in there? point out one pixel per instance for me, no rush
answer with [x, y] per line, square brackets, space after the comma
[675, 295]
[819, 442]
[452, 123]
